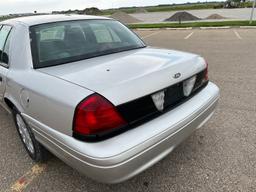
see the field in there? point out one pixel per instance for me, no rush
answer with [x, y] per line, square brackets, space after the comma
[164, 8]
[193, 24]
[4, 18]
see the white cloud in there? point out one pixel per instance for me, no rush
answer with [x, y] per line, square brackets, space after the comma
[24, 6]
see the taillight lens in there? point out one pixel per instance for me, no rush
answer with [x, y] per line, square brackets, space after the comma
[96, 115]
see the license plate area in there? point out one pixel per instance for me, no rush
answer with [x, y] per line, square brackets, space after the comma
[173, 95]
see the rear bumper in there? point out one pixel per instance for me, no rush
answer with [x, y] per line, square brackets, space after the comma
[122, 157]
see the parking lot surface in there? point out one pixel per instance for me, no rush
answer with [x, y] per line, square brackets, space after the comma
[221, 156]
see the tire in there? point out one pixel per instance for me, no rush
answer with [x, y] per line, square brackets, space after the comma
[35, 150]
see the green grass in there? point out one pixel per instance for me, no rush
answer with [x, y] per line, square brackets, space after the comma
[192, 24]
[161, 8]
[181, 7]
[4, 18]
[246, 4]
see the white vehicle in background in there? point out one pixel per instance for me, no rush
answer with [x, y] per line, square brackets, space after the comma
[90, 91]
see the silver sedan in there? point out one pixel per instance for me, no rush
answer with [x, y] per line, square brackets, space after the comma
[90, 91]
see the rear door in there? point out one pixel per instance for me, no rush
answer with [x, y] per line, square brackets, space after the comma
[5, 31]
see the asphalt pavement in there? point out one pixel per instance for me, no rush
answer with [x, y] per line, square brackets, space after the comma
[221, 156]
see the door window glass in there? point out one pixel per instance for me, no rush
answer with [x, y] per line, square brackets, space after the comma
[4, 43]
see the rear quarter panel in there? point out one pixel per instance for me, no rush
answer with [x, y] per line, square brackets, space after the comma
[44, 98]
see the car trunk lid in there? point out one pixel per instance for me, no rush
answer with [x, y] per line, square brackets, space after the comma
[126, 76]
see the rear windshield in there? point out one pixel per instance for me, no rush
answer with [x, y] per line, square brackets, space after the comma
[62, 42]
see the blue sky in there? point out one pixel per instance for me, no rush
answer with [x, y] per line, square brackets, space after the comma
[21, 6]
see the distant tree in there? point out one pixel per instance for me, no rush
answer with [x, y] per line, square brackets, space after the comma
[232, 3]
[92, 11]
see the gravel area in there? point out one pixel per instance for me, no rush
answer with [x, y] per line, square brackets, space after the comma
[237, 14]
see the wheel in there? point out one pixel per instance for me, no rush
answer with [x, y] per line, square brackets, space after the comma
[35, 150]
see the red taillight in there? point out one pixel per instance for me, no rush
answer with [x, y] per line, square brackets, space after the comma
[96, 115]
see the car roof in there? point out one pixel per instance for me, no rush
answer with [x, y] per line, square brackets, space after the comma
[41, 19]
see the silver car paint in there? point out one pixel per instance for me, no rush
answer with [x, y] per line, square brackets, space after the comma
[150, 69]
[121, 157]
[47, 99]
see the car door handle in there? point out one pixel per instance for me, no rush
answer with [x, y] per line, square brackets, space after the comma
[1, 79]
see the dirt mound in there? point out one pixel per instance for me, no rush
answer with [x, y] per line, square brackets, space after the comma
[182, 16]
[124, 18]
[215, 16]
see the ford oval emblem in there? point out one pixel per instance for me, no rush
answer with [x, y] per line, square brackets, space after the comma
[177, 75]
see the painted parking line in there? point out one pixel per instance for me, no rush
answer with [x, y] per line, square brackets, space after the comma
[151, 34]
[237, 35]
[21, 184]
[189, 35]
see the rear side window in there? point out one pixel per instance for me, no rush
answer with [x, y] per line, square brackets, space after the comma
[4, 44]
